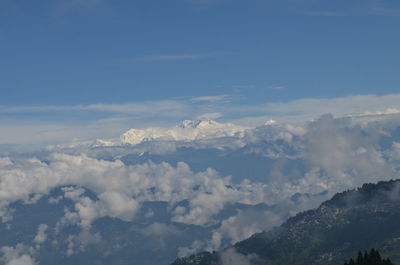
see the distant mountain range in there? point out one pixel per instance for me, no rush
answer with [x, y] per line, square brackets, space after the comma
[360, 219]
[105, 202]
[188, 130]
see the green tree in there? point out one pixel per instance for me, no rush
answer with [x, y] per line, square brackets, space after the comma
[369, 258]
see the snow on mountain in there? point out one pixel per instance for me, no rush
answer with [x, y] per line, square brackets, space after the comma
[188, 130]
[270, 122]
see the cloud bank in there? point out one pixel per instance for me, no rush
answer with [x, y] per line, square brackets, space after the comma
[109, 120]
[324, 156]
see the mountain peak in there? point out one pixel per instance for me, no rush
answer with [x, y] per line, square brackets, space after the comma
[188, 130]
[196, 123]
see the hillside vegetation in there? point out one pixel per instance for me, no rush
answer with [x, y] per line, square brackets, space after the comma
[364, 218]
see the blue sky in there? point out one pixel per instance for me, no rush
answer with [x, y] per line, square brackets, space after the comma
[63, 57]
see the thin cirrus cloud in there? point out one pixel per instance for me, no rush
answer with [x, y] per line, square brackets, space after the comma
[277, 87]
[216, 98]
[110, 120]
[140, 108]
[176, 57]
[362, 8]
[350, 105]
[304, 107]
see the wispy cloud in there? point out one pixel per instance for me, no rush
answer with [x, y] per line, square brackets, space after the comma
[383, 8]
[244, 86]
[216, 98]
[176, 57]
[80, 3]
[323, 13]
[362, 8]
[311, 108]
[169, 107]
[349, 105]
[276, 87]
[25, 124]
[210, 116]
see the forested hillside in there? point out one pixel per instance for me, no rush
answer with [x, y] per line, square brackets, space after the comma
[364, 218]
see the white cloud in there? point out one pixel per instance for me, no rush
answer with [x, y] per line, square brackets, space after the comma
[276, 87]
[348, 155]
[217, 98]
[119, 188]
[337, 154]
[78, 243]
[18, 255]
[231, 257]
[110, 203]
[195, 247]
[394, 152]
[209, 116]
[41, 236]
[243, 225]
[136, 108]
[204, 205]
[344, 106]
[363, 8]
[176, 57]
[5, 161]
[306, 109]
[117, 118]
[160, 230]
[387, 111]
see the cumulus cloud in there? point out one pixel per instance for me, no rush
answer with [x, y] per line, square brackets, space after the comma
[344, 154]
[160, 230]
[394, 152]
[160, 234]
[118, 205]
[209, 202]
[18, 255]
[243, 225]
[5, 161]
[78, 243]
[195, 247]
[336, 154]
[119, 188]
[41, 236]
[110, 203]
[232, 257]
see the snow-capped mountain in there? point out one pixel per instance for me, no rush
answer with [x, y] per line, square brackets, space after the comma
[188, 130]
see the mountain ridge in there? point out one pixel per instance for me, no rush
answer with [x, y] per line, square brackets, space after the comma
[188, 130]
[356, 219]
